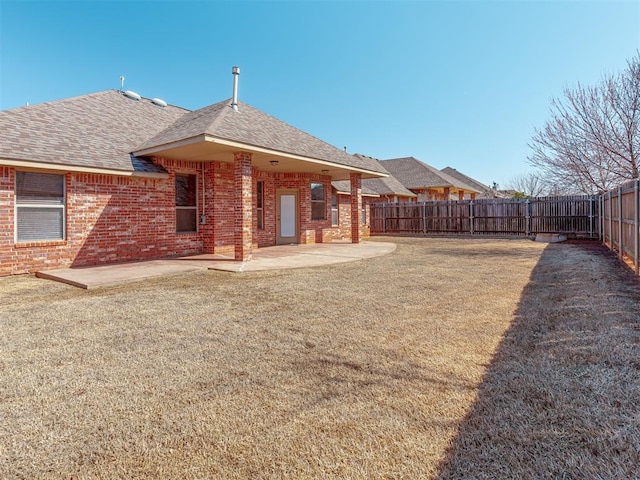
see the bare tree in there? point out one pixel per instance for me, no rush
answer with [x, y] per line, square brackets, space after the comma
[592, 141]
[529, 184]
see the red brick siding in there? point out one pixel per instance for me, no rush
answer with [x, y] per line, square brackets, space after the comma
[343, 229]
[243, 206]
[117, 219]
[223, 209]
[109, 219]
[266, 236]
[311, 231]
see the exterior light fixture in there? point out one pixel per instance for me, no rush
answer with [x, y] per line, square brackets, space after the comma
[273, 162]
[325, 171]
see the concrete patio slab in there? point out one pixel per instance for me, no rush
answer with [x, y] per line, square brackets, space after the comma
[268, 258]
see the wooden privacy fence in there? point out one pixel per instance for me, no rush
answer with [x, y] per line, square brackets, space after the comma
[620, 221]
[573, 215]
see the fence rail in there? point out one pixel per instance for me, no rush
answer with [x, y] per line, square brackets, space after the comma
[620, 221]
[573, 215]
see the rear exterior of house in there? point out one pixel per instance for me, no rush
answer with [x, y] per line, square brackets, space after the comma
[106, 178]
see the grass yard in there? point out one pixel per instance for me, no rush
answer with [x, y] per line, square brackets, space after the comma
[449, 358]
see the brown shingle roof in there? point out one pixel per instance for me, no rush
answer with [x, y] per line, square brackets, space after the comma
[452, 172]
[98, 130]
[344, 186]
[250, 126]
[414, 174]
[387, 185]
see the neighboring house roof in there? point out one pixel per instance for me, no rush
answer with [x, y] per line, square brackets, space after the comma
[250, 126]
[414, 174]
[108, 131]
[386, 185]
[481, 187]
[343, 187]
[97, 131]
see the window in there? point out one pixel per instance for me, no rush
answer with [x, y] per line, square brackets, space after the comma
[40, 206]
[318, 211]
[364, 215]
[186, 209]
[260, 204]
[334, 210]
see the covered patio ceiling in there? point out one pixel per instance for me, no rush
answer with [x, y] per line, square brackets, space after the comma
[206, 148]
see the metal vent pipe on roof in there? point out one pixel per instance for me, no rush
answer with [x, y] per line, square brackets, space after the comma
[236, 73]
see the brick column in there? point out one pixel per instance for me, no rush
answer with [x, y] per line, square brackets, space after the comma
[243, 206]
[460, 194]
[207, 230]
[356, 207]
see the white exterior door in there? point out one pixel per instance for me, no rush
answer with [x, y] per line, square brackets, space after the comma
[287, 221]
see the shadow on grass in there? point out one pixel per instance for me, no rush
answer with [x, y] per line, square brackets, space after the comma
[560, 398]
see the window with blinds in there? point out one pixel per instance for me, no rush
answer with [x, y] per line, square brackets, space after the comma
[186, 204]
[40, 206]
[317, 202]
[260, 204]
[334, 210]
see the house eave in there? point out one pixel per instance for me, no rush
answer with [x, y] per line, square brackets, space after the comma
[56, 167]
[206, 148]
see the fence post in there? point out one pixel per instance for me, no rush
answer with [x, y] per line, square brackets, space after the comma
[591, 200]
[601, 218]
[636, 221]
[620, 242]
[384, 218]
[424, 218]
[611, 245]
[528, 218]
[471, 204]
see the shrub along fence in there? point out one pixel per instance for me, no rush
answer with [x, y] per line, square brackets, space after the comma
[620, 221]
[572, 215]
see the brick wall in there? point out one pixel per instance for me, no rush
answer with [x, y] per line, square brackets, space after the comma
[109, 219]
[118, 219]
[343, 229]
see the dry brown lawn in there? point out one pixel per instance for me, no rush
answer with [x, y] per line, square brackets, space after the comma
[449, 358]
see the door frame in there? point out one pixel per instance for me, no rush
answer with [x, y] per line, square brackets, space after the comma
[296, 238]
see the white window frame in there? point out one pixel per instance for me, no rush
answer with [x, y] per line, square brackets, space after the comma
[54, 206]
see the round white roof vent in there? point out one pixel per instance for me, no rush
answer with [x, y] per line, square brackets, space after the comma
[159, 102]
[132, 95]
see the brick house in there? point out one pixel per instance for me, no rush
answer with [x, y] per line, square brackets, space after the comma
[427, 182]
[389, 189]
[112, 177]
[485, 190]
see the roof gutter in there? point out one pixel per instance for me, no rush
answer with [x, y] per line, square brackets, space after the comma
[27, 165]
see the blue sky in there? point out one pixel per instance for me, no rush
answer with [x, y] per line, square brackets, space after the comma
[452, 83]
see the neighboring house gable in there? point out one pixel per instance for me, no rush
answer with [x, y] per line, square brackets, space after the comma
[388, 188]
[485, 191]
[426, 181]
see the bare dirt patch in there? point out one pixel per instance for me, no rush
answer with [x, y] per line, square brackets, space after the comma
[372, 369]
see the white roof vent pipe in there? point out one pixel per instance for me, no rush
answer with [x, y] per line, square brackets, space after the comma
[234, 101]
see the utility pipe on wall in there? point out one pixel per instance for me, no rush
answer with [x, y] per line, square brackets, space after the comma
[236, 73]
